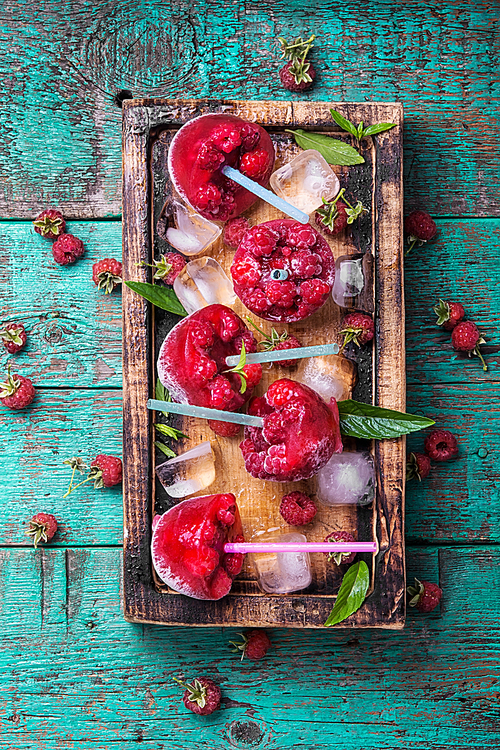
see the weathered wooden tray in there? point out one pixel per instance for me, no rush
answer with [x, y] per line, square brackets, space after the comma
[148, 126]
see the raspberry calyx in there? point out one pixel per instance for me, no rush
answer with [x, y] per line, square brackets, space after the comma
[296, 52]
[329, 213]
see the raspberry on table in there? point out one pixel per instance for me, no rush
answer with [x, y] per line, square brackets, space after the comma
[13, 337]
[358, 328]
[105, 471]
[50, 224]
[340, 558]
[168, 267]
[202, 696]
[419, 227]
[17, 391]
[465, 337]
[255, 163]
[449, 314]
[254, 644]
[297, 508]
[67, 249]
[418, 466]
[296, 76]
[41, 528]
[234, 231]
[332, 217]
[441, 445]
[424, 595]
[107, 274]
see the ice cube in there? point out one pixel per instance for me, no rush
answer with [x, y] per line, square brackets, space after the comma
[283, 572]
[188, 473]
[332, 376]
[353, 282]
[347, 479]
[202, 282]
[193, 234]
[305, 181]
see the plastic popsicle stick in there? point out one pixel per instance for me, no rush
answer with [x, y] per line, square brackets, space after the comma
[188, 410]
[279, 356]
[266, 195]
[243, 547]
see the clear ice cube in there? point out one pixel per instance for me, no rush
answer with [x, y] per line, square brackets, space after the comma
[332, 376]
[305, 181]
[188, 473]
[284, 572]
[202, 282]
[353, 282]
[347, 479]
[192, 233]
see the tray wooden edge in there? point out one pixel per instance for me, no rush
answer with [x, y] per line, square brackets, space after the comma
[385, 607]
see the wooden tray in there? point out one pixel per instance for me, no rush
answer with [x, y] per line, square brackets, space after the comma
[148, 127]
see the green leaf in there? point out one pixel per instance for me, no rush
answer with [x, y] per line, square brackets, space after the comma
[380, 128]
[160, 296]
[170, 432]
[360, 130]
[161, 393]
[165, 449]
[333, 150]
[374, 422]
[351, 594]
[344, 124]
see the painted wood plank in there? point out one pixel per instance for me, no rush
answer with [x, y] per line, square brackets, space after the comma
[81, 677]
[74, 330]
[61, 129]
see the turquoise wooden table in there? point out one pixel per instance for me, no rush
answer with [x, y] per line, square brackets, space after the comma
[74, 674]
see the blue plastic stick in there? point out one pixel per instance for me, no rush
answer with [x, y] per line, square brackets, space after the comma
[188, 410]
[266, 195]
[279, 356]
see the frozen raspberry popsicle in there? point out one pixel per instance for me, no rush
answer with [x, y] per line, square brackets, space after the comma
[283, 270]
[192, 360]
[188, 546]
[199, 151]
[300, 434]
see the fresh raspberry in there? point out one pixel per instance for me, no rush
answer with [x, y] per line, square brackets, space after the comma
[441, 445]
[332, 220]
[302, 236]
[50, 224]
[254, 644]
[297, 76]
[425, 596]
[419, 227]
[208, 197]
[221, 392]
[314, 292]
[357, 327]
[340, 558]
[253, 374]
[255, 300]
[261, 240]
[226, 138]
[255, 163]
[250, 137]
[67, 249]
[107, 274]
[449, 314]
[297, 508]
[224, 429]
[418, 466]
[281, 293]
[465, 337]
[13, 337]
[17, 391]
[289, 343]
[105, 471]
[278, 342]
[168, 267]
[246, 271]
[42, 528]
[202, 696]
[234, 231]
[209, 157]
[305, 264]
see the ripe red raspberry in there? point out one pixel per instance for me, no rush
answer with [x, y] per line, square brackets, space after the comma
[418, 466]
[441, 445]
[67, 249]
[261, 240]
[42, 528]
[224, 429]
[105, 471]
[208, 197]
[302, 236]
[234, 231]
[13, 337]
[17, 391]
[107, 274]
[226, 138]
[254, 644]
[209, 157]
[255, 163]
[246, 271]
[289, 343]
[250, 137]
[220, 392]
[340, 558]
[168, 267]
[255, 300]
[419, 227]
[281, 293]
[305, 264]
[253, 374]
[202, 696]
[50, 224]
[297, 508]
[449, 314]
[332, 218]
[314, 291]
[357, 327]
[465, 337]
[425, 596]
[297, 76]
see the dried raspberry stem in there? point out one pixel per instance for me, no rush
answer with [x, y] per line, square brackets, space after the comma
[477, 352]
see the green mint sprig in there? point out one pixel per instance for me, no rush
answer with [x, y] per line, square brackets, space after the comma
[359, 131]
[331, 149]
[162, 394]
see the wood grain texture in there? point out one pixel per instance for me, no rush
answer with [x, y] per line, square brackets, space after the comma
[98, 682]
[61, 70]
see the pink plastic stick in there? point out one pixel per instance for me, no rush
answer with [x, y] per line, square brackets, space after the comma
[243, 547]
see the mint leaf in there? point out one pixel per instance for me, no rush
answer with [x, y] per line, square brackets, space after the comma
[333, 150]
[161, 393]
[380, 128]
[351, 594]
[374, 422]
[160, 296]
[170, 432]
[344, 124]
[165, 449]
